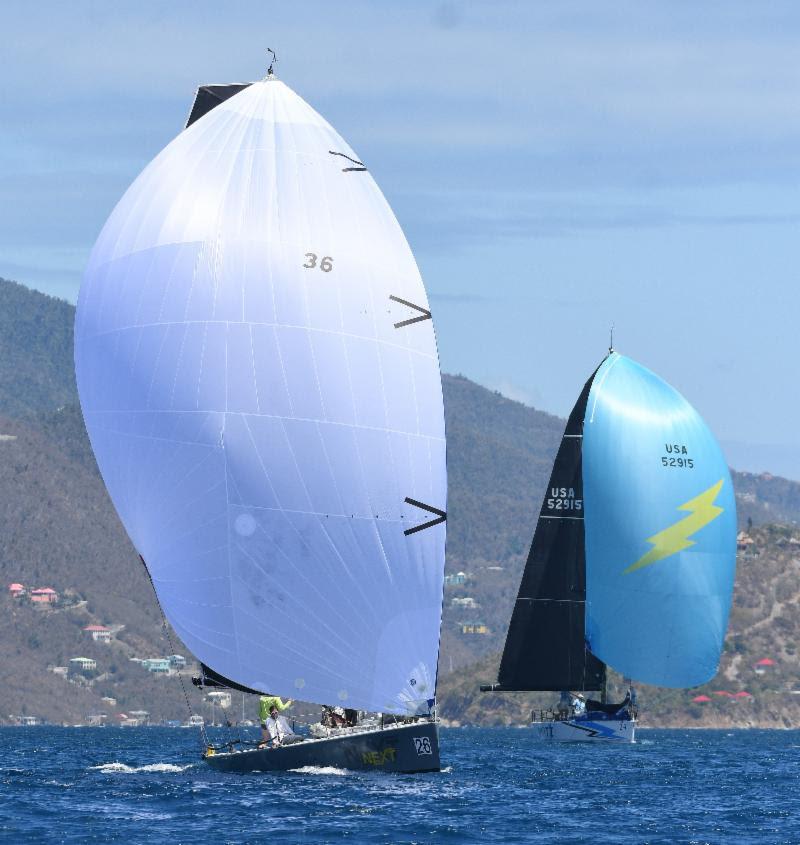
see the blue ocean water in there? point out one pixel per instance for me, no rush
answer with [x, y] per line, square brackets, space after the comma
[92, 785]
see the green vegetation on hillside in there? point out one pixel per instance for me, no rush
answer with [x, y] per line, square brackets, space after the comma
[36, 369]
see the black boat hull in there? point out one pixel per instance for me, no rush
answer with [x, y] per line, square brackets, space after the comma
[399, 748]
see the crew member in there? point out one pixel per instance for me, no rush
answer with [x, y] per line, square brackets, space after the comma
[278, 729]
[265, 705]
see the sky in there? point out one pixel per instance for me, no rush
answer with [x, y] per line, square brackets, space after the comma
[558, 168]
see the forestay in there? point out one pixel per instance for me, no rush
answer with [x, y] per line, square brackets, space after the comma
[258, 373]
[660, 529]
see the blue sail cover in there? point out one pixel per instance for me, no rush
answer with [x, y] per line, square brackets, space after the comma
[259, 377]
[660, 523]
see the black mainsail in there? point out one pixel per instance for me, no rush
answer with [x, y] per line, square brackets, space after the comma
[209, 678]
[210, 96]
[545, 646]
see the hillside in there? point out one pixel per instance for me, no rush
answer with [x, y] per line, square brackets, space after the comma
[60, 531]
[36, 371]
[764, 623]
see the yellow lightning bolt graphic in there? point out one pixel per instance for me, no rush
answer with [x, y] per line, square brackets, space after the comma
[676, 537]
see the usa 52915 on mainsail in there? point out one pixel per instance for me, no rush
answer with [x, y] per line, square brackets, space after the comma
[632, 560]
[258, 373]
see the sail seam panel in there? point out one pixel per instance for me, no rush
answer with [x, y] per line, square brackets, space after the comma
[378, 341]
[348, 190]
[246, 414]
[278, 636]
[326, 532]
[288, 521]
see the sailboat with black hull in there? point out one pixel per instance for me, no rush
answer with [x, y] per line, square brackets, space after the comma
[258, 373]
[618, 574]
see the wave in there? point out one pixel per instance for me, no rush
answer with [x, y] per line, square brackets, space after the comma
[321, 770]
[122, 769]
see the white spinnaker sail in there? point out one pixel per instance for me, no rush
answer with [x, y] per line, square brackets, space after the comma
[262, 401]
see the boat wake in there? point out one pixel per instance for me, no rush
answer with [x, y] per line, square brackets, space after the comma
[321, 770]
[122, 769]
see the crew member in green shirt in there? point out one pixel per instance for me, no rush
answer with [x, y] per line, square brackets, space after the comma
[265, 704]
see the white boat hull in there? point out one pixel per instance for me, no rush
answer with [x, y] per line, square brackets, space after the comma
[585, 730]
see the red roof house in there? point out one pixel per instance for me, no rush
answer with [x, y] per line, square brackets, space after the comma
[701, 699]
[99, 633]
[45, 595]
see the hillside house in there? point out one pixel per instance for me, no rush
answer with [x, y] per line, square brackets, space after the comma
[763, 666]
[457, 580]
[99, 633]
[16, 590]
[58, 670]
[744, 541]
[83, 665]
[157, 665]
[177, 661]
[474, 628]
[44, 595]
[220, 698]
[465, 602]
[109, 700]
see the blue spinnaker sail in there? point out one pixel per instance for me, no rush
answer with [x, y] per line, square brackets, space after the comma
[660, 523]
